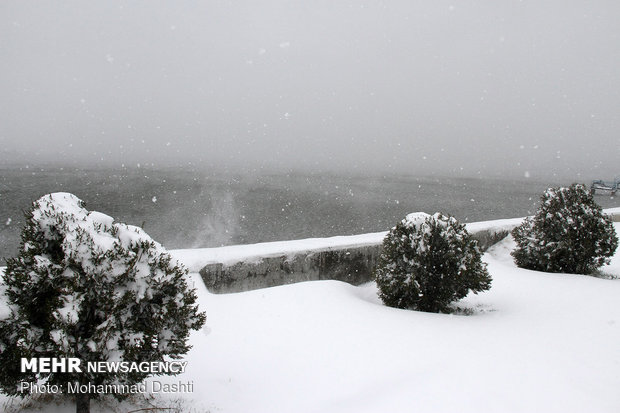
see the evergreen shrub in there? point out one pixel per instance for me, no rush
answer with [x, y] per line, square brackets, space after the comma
[569, 233]
[86, 287]
[428, 262]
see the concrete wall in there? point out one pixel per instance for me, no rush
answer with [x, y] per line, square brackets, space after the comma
[350, 264]
[353, 265]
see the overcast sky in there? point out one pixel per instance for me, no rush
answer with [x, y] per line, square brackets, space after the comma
[515, 88]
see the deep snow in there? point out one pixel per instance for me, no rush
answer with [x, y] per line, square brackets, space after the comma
[536, 342]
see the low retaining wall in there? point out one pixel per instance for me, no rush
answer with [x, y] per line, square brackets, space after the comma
[350, 259]
[352, 264]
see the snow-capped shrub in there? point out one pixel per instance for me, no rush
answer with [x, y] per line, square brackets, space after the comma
[428, 262]
[569, 233]
[87, 287]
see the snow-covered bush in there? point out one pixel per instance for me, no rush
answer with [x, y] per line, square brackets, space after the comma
[87, 287]
[569, 233]
[428, 262]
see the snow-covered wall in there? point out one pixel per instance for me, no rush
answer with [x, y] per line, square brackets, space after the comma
[614, 212]
[346, 258]
[350, 264]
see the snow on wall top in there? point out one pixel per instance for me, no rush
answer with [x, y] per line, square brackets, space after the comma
[196, 259]
[612, 211]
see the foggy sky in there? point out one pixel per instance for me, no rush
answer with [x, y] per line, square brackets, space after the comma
[515, 88]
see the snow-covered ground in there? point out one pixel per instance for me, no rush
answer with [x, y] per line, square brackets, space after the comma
[536, 342]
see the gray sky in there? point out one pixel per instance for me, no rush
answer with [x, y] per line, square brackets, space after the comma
[509, 88]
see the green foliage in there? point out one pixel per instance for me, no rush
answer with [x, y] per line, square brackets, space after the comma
[428, 262]
[569, 233]
[84, 286]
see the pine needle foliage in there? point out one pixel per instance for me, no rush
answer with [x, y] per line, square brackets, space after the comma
[569, 233]
[86, 287]
[428, 262]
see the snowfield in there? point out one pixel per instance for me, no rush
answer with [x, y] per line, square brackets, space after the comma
[535, 342]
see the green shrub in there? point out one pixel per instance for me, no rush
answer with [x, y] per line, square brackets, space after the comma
[569, 233]
[428, 262]
[86, 287]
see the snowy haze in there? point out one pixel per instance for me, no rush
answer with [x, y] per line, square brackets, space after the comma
[515, 88]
